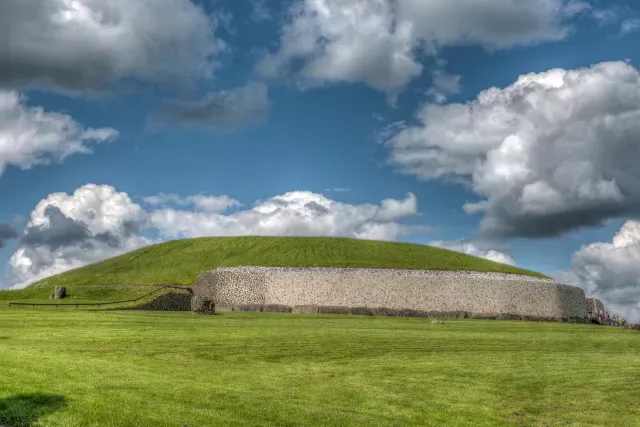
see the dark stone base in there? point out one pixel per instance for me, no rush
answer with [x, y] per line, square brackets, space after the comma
[305, 309]
[327, 309]
[247, 307]
[276, 308]
[200, 305]
[172, 301]
[386, 311]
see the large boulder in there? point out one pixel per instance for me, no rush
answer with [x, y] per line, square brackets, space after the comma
[201, 305]
[60, 292]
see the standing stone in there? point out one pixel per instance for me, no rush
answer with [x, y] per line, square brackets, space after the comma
[61, 292]
[200, 305]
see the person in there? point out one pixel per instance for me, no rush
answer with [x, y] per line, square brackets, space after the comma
[606, 316]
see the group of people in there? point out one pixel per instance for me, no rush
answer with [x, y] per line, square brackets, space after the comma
[604, 318]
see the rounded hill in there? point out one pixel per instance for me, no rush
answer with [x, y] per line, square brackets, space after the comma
[181, 261]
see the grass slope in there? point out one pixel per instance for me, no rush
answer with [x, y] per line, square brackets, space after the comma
[181, 261]
[88, 368]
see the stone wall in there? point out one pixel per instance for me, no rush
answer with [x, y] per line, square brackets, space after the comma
[423, 293]
[594, 305]
[172, 301]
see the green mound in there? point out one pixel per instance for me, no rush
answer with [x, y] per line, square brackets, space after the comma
[179, 262]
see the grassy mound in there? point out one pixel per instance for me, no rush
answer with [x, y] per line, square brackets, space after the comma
[180, 262]
[131, 368]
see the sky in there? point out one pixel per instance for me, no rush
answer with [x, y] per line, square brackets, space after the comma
[505, 129]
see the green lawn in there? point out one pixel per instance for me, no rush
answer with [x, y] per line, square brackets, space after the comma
[104, 368]
[179, 262]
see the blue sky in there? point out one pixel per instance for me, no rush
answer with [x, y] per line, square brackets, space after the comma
[313, 118]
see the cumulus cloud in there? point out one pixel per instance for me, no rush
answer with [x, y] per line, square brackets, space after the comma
[471, 248]
[552, 152]
[610, 271]
[297, 213]
[224, 109]
[7, 232]
[67, 231]
[199, 202]
[375, 41]
[85, 45]
[444, 85]
[30, 136]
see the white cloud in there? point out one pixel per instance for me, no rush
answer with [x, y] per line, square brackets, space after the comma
[198, 201]
[30, 136]
[444, 85]
[630, 26]
[552, 152]
[85, 45]
[297, 213]
[223, 109]
[352, 41]
[96, 222]
[470, 248]
[375, 41]
[610, 271]
[111, 223]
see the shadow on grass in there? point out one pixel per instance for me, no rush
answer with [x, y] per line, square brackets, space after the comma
[23, 410]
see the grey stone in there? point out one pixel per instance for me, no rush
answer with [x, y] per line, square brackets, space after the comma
[247, 307]
[407, 312]
[60, 292]
[276, 308]
[509, 316]
[200, 305]
[329, 309]
[306, 309]
[360, 311]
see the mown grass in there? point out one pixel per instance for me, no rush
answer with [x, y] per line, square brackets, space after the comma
[96, 368]
[181, 261]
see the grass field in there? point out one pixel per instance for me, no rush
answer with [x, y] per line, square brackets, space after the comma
[97, 368]
[181, 261]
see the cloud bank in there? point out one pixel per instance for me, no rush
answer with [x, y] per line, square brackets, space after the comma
[30, 136]
[96, 222]
[77, 46]
[474, 249]
[378, 42]
[553, 152]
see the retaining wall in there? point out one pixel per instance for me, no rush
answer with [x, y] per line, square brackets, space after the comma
[449, 294]
[594, 305]
[171, 301]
